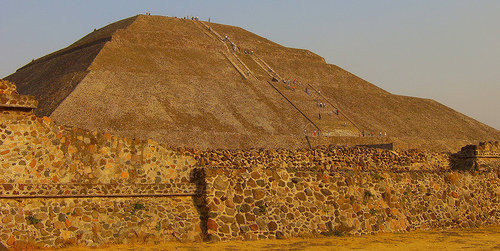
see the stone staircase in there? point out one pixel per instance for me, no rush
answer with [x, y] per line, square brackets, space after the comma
[229, 52]
[325, 117]
[324, 114]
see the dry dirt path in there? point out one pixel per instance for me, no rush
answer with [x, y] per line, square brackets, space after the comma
[455, 239]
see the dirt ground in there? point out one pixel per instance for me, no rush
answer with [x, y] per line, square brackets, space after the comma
[455, 239]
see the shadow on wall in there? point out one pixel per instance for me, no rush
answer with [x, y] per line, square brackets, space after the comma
[481, 157]
[457, 162]
[198, 176]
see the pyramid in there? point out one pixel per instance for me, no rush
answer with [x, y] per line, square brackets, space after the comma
[204, 85]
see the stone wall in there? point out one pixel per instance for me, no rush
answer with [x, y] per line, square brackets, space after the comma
[484, 156]
[255, 194]
[35, 150]
[64, 186]
[326, 158]
[482, 150]
[9, 97]
[56, 222]
[258, 203]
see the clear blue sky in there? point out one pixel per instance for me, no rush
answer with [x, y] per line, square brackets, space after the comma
[445, 50]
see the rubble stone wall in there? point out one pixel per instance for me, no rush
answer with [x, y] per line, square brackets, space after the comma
[62, 186]
[57, 222]
[35, 150]
[327, 158]
[259, 203]
[9, 97]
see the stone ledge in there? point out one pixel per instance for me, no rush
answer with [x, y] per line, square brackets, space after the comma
[94, 190]
[18, 101]
[489, 149]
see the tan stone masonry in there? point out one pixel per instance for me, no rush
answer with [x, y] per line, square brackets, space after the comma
[66, 186]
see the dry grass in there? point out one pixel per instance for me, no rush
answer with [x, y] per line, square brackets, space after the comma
[457, 239]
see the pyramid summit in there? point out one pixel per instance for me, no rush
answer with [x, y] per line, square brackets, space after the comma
[204, 85]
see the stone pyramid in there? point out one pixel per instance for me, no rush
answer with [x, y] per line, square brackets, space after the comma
[204, 85]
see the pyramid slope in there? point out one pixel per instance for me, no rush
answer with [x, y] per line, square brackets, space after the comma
[53, 77]
[164, 78]
[371, 107]
[174, 81]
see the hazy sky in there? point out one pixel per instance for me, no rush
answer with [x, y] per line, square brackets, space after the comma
[445, 50]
